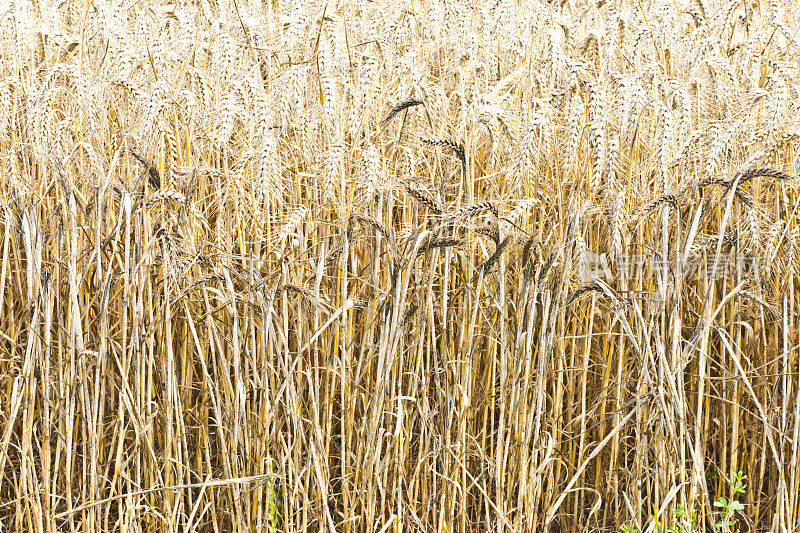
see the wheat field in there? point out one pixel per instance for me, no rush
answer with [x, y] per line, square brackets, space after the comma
[399, 266]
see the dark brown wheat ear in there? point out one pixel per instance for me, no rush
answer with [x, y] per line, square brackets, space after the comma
[153, 176]
[400, 106]
[456, 148]
[432, 205]
[762, 172]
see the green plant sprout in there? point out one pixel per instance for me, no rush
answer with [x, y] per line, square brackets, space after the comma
[685, 521]
[727, 523]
